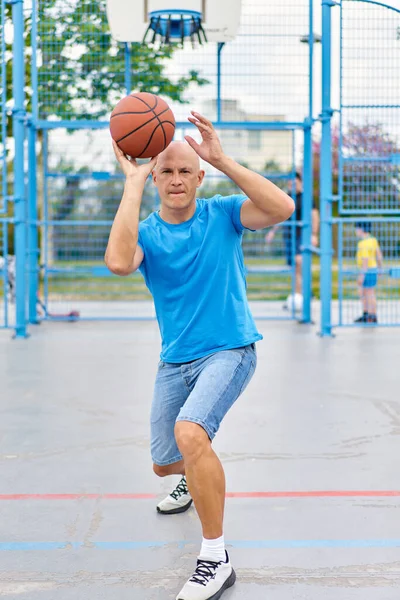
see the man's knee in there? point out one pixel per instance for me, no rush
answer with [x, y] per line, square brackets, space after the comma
[176, 468]
[192, 440]
[161, 471]
[298, 260]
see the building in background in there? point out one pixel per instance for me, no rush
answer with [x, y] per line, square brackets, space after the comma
[254, 147]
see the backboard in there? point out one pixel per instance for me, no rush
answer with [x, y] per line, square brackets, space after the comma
[129, 19]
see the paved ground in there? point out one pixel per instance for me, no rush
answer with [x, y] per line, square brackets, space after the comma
[310, 451]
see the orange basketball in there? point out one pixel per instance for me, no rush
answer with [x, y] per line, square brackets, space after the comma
[142, 125]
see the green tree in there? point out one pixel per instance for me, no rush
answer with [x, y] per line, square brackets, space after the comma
[81, 74]
[371, 173]
[81, 69]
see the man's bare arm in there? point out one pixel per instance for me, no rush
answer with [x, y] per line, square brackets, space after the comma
[123, 255]
[266, 204]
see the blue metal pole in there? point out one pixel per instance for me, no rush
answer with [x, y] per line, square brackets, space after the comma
[19, 186]
[3, 118]
[5, 272]
[308, 180]
[128, 69]
[45, 228]
[33, 245]
[326, 174]
[306, 218]
[310, 60]
[340, 272]
[34, 66]
[292, 229]
[219, 82]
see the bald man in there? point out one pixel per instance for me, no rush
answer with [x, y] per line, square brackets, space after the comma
[190, 255]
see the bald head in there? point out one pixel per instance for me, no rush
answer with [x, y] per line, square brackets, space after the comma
[178, 154]
[177, 176]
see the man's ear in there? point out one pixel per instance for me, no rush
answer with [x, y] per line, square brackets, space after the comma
[200, 178]
[154, 176]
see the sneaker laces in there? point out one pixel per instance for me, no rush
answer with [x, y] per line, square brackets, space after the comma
[180, 490]
[205, 571]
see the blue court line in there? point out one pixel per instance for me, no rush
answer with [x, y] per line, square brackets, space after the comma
[247, 544]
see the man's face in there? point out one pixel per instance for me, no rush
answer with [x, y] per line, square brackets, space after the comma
[177, 176]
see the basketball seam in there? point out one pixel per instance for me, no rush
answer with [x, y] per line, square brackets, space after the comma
[160, 122]
[131, 112]
[143, 124]
[165, 137]
[148, 105]
[150, 140]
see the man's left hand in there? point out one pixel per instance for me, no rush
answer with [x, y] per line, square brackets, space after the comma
[210, 148]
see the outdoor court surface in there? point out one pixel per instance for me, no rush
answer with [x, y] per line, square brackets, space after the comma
[311, 452]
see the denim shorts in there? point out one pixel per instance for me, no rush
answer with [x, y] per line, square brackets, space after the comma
[201, 391]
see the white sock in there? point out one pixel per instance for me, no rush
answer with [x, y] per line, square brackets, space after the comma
[213, 549]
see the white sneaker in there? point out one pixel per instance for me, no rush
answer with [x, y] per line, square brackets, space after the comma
[178, 501]
[209, 581]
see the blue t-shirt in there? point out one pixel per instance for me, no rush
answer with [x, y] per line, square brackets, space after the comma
[196, 274]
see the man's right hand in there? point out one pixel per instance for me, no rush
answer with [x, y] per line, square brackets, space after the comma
[130, 167]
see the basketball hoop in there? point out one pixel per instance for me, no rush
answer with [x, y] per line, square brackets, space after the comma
[173, 21]
[168, 26]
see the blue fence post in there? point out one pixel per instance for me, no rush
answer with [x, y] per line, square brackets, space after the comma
[306, 232]
[33, 238]
[3, 115]
[219, 81]
[19, 174]
[307, 202]
[326, 173]
[128, 68]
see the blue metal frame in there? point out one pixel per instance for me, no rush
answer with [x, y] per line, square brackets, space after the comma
[3, 132]
[304, 126]
[293, 227]
[34, 67]
[345, 212]
[128, 68]
[85, 124]
[340, 271]
[307, 227]
[326, 173]
[4, 224]
[33, 254]
[33, 238]
[342, 160]
[307, 202]
[19, 171]
[383, 4]
[45, 231]
[219, 80]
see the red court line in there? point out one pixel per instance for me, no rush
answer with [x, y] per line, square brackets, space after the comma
[316, 494]
[312, 494]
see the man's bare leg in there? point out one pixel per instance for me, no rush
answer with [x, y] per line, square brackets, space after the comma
[206, 481]
[205, 476]
[177, 468]
[179, 500]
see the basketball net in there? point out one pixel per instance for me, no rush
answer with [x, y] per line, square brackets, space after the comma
[167, 27]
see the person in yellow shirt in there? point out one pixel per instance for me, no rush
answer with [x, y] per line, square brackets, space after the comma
[369, 259]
